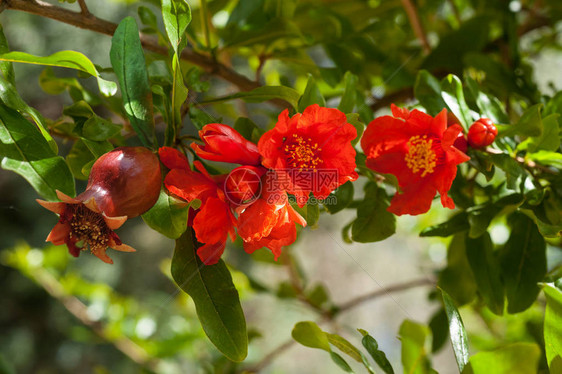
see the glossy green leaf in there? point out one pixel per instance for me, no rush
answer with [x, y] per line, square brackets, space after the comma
[379, 356]
[127, 59]
[177, 16]
[427, 90]
[215, 297]
[374, 222]
[311, 95]
[489, 106]
[347, 102]
[78, 157]
[486, 270]
[99, 129]
[168, 216]
[457, 332]
[549, 140]
[553, 327]
[457, 278]
[310, 335]
[345, 346]
[10, 97]
[530, 124]
[248, 129]
[453, 95]
[523, 263]
[179, 96]
[341, 362]
[6, 67]
[355, 120]
[547, 158]
[342, 197]
[24, 151]
[65, 59]
[414, 356]
[518, 358]
[457, 223]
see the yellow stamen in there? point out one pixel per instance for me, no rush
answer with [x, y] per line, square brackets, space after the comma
[421, 156]
[302, 153]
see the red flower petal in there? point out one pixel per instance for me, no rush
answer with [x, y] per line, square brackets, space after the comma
[173, 159]
[211, 253]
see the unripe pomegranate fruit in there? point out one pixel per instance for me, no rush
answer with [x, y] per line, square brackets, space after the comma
[482, 133]
[123, 183]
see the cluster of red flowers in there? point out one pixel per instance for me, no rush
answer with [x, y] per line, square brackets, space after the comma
[307, 154]
[253, 198]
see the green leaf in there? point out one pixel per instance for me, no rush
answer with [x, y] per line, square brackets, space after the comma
[177, 16]
[553, 327]
[457, 278]
[6, 68]
[179, 96]
[547, 158]
[439, 326]
[10, 97]
[530, 124]
[518, 358]
[341, 362]
[248, 129]
[65, 59]
[414, 356]
[342, 197]
[25, 151]
[457, 223]
[489, 106]
[457, 332]
[78, 157]
[345, 346]
[379, 356]
[168, 216]
[452, 94]
[311, 95]
[374, 222]
[427, 90]
[215, 297]
[99, 129]
[347, 102]
[523, 263]
[549, 140]
[265, 93]
[486, 270]
[513, 170]
[355, 120]
[128, 62]
[310, 335]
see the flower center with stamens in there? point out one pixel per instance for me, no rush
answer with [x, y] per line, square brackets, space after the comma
[421, 156]
[302, 153]
[89, 227]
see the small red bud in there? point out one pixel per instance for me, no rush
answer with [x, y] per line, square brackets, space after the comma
[482, 133]
[243, 184]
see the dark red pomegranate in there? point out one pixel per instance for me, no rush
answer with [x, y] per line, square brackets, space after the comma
[123, 183]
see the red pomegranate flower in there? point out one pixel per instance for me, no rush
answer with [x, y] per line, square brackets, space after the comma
[418, 149]
[312, 151]
[214, 221]
[270, 220]
[123, 183]
[223, 143]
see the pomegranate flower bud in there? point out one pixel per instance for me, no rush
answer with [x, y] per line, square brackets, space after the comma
[123, 183]
[223, 143]
[242, 186]
[482, 133]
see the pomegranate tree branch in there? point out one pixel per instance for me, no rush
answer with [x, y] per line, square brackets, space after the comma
[384, 292]
[90, 22]
[84, 7]
[415, 21]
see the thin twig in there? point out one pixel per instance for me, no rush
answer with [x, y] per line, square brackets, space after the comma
[417, 26]
[384, 292]
[268, 359]
[101, 26]
[84, 8]
[80, 311]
